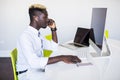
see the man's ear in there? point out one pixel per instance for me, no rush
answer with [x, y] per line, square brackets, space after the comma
[35, 18]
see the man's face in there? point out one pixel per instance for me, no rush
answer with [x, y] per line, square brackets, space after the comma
[42, 20]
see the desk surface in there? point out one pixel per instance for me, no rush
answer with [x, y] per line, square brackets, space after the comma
[103, 68]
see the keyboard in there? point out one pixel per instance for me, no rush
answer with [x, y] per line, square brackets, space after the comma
[82, 52]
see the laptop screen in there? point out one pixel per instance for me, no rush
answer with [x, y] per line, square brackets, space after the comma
[82, 36]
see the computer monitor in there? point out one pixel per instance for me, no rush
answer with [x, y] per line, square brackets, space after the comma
[97, 28]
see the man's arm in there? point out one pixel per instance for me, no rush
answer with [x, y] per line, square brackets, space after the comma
[52, 25]
[65, 58]
[54, 36]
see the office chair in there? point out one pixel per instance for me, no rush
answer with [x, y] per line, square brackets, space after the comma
[13, 56]
[48, 37]
[106, 34]
[47, 53]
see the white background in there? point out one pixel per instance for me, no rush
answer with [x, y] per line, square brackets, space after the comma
[68, 14]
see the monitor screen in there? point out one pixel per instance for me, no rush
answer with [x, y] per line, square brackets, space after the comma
[98, 26]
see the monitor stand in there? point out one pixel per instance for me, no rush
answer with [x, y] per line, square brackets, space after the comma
[105, 49]
[95, 51]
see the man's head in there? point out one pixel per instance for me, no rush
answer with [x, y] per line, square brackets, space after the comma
[38, 15]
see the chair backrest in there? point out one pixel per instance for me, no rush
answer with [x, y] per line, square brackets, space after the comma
[13, 56]
[48, 37]
[47, 53]
[106, 34]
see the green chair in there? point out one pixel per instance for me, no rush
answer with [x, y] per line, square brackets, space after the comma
[13, 56]
[48, 37]
[47, 53]
[106, 34]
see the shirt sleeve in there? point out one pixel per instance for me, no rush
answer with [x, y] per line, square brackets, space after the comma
[31, 57]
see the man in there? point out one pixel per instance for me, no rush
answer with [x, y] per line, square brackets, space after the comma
[31, 44]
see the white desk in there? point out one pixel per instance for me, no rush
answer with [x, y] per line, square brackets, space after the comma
[103, 68]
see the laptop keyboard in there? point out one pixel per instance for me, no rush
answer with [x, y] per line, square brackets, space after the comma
[69, 46]
[82, 53]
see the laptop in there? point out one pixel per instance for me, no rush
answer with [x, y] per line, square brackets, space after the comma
[81, 39]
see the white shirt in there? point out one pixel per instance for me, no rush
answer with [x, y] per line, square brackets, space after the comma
[30, 50]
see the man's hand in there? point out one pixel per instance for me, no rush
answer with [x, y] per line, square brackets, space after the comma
[70, 59]
[51, 23]
[65, 58]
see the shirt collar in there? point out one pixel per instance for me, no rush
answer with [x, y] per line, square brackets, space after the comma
[35, 31]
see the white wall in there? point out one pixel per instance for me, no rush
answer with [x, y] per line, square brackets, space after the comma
[68, 14]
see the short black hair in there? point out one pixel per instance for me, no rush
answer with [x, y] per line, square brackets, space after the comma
[33, 10]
